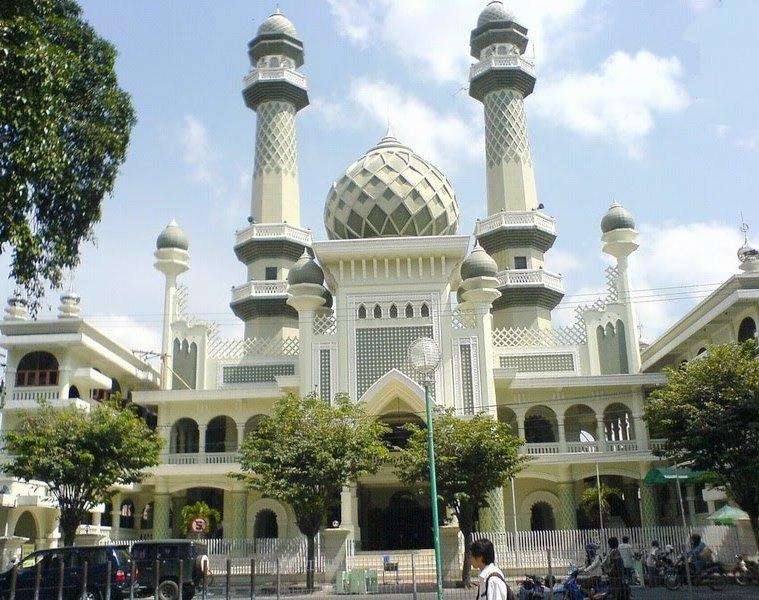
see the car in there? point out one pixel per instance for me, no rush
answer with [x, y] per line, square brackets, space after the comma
[169, 554]
[48, 564]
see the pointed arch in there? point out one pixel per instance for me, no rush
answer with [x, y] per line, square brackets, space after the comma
[362, 312]
[394, 386]
[393, 311]
[377, 312]
[409, 311]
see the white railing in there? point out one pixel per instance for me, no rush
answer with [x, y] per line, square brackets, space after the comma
[529, 218]
[39, 394]
[268, 74]
[656, 445]
[259, 288]
[274, 230]
[207, 458]
[575, 447]
[542, 448]
[515, 61]
[582, 447]
[622, 446]
[222, 348]
[524, 336]
[530, 278]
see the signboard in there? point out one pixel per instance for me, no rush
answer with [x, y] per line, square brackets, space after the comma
[199, 525]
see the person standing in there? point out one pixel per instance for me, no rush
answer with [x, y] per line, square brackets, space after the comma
[628, 558]
[615, 568]
[652, 563]
[492, 584]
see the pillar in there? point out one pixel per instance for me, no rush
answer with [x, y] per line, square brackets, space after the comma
[562, 435]
[567, 516]
[202, 443]
[349, 511]
[450, 541]
[115, 516]
[238, 521]
[641, 431]
[492, 517]
[601, 433]
[161, 513]
[240, 435]
[334, 551]
[649, 511]
[690, 498]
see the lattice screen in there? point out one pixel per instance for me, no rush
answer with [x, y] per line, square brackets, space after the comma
[236, 374]
[539, 363]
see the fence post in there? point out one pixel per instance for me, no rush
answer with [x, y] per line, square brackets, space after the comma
[181, 577]
[37, 579]
[550, 564]
[413, 576]
[229, 577]
[157, 578]
[85, 573]
[61, 567]
[108, 568]
[278, 578]
[14, 574]
[132, 571]
[205, 580]
[252, 578]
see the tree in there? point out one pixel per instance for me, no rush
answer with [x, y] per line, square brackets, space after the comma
[199, 510]
[80, 455]
[306, 452]
[472, 457]
[64, 132]
[589, 501]
[708, 413]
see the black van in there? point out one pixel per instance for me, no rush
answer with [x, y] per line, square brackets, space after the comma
[191, 554]
[48, 563]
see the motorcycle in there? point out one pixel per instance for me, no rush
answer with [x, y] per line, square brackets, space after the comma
[712, 575]
[532, 588]
[570, 589]
[745, 572]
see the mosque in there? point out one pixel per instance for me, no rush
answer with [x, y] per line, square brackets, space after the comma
[338, 315]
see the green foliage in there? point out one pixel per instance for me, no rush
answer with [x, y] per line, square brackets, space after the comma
[64, 132]
[80, 455]
[199, 510]
[472, 457]
[307, 451]
[589, 502]
[708, 413]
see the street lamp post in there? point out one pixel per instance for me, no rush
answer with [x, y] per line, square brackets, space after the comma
[424, 357]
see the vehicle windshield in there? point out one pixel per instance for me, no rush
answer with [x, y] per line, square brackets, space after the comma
[122, 556]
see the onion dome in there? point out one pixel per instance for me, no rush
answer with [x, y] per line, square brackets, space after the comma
[305, 270]
[617, 217]
[478, 264]
[277, 23]
[494, 12]
[390, 192]
[172, 237]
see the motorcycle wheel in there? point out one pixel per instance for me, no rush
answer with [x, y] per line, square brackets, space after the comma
[672, 580]
[741, 578]
[717, 581]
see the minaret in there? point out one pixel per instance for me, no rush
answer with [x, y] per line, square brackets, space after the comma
[515, 233]
[172, 259]
[276, 91]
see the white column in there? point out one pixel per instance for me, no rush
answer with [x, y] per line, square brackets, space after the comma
[169, 297]
[562, 435]
[349, 511]
[202, 442]
[631, 321]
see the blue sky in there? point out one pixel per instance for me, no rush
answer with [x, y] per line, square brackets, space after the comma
[650, 103]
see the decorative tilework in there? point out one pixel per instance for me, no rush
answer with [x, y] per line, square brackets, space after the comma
[381, 349]
[237, 374]
[505, 128]
[325, 374]
[276, 149]
[539, 363]
[466, 379]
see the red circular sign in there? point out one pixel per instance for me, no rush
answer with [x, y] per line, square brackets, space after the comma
[199, 525]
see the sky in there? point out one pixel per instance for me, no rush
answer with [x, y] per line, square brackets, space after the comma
[650, 103]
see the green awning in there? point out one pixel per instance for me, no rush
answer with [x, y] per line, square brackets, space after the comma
[665, 475]
[727, 515]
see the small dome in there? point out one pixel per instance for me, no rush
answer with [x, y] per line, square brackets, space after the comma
[305, 270]
[478, 264]
[617, 217]
[494, 12]
[390, 192]
[748, 254]
[327, 295]
[172, 237]
[277, 23]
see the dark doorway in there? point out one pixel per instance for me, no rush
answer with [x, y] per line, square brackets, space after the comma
[265, 525]
[392, 519]
[542, 517]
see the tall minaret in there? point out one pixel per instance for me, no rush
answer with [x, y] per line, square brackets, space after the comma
[515, 233]
[274, 240]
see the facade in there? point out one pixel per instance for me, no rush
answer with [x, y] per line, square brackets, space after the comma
[338, 315]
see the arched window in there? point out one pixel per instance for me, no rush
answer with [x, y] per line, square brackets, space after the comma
[409, 311]
[74, 392]
[274, 62]
[362, 312]
[377, 311]
[105, 518]
[221, 435]
[747, 329]
[185, 436]
[393, 311]
[700, 351]
[37, 368]
[146, 518]
[265, 526]
[425, 310]
[126, 515]
[542, 517]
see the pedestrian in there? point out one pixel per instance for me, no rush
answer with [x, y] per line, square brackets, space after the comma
[615, 569]
[628, 558]
[652, 563]
[492, 584]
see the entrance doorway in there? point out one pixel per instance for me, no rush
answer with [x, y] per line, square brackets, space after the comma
[393, 519]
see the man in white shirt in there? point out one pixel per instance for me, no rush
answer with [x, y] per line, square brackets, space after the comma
[628, 557]
[492, 584]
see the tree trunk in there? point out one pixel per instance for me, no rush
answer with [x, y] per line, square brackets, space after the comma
[466, 568]
[753, 518]
[310, 563]
[69, 523]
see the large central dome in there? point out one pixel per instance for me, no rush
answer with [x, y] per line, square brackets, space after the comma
[390, 192]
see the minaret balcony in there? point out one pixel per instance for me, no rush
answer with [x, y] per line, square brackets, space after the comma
[262, 298]
[281, 83]
[534, 287]
[271, 240]
[496, 72]
[523, 229]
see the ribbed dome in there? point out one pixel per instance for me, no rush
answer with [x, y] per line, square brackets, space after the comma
[478, 264]
[172, 237]
[278, 23]
[494, 12]
[389, 192]
[617, 217]
[305, 270]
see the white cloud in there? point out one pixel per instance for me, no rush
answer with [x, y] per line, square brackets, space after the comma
[617, 102]
[129, 332]
[196, 148]
[747, 140]
[432, 37]
[699, 6]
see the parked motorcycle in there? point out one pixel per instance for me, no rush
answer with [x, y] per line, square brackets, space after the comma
[712, 575]
[532, 588]
[570, 589]
[745, 572]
